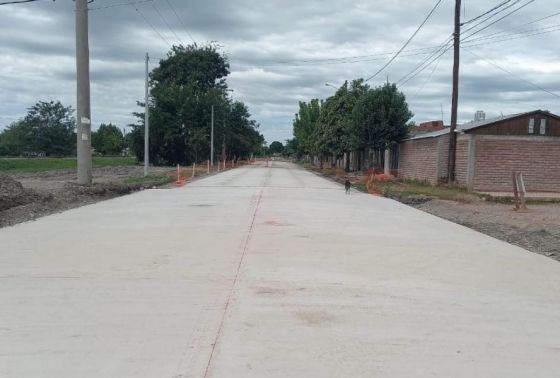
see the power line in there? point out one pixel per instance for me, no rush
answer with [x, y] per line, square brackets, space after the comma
[166, 23]
[491, 16]
[427, 62]
[429, 77]
[149, 23]
[510, 39]
[445, 46]
[411, 75]
[485, 13]
[352, 57]
[342, 61]
[500, 19]
[407, 42]
[120, 5]
[516, 28]
[180, 20]
[433, 49]
[512, 74]
[521, 33]
[17, 2]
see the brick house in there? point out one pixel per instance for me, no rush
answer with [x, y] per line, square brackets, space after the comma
[487, 153]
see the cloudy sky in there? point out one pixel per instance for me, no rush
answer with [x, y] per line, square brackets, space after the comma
[285, 51]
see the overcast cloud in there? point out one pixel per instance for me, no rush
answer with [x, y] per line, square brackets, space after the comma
[277, 51]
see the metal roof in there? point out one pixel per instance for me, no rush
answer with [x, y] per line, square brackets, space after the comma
[431, 134]
[484, 122]
[476, 124]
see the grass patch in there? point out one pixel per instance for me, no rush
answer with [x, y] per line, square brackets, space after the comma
[50, 164]
[399, 189]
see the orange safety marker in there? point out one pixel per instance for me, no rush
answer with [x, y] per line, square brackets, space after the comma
[179, 182]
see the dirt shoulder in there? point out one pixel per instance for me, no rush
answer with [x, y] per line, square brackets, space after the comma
[537, 230]
[27, 196]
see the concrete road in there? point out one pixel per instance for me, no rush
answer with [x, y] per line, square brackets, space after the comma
[270, 272]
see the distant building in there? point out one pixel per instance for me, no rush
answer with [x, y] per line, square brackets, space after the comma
[479, 116]
[427, 127]
[487, 153]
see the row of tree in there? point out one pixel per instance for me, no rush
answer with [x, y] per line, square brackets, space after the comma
[357, 119]
[49, 129]
[184, 88]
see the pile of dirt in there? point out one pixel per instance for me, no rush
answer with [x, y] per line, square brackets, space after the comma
[13, 194]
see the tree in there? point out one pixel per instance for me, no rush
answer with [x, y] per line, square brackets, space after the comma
[336, 133]
[305, 125]
[47, 129]
[382, 116]
[276, 147]
[292, 148]
[184, 87]
[108, 140]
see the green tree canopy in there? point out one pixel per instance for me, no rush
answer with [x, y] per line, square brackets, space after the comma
[108, 140]
[184, 87]
[47, 129]
[356, 118]
[292, 149]
[336, 132]
[305, 124]
[382, 116]
[276, 147]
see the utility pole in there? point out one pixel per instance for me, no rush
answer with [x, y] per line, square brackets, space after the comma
[455, 94]
[83, 110]
[147, 120]
[212, 139]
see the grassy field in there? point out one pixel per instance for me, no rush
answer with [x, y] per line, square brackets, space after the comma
[49, 164]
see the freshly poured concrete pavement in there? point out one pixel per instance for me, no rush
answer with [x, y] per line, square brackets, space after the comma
[270, 272]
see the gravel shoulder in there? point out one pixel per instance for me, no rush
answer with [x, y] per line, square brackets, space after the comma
[537, 230]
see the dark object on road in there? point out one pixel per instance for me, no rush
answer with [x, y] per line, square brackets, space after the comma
[347, 186]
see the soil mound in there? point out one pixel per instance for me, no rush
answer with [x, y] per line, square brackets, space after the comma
[13, 194]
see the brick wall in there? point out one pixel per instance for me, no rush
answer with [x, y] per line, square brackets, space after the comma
[443, 156]
[418, 160]
[538, 158]
[462, 159]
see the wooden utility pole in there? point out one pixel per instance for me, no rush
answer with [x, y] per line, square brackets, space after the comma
[455, 94]
[83, 111]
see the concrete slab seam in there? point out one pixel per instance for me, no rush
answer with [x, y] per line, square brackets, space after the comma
[235, 280]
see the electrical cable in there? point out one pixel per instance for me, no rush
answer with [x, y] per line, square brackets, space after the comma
[406, 43]
[167, 24]
[512, 74]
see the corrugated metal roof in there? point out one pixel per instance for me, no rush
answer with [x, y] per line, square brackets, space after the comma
[474, 124]
[484, 122]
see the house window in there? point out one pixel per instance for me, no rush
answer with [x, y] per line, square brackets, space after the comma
[532, 126]
[542, 129]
